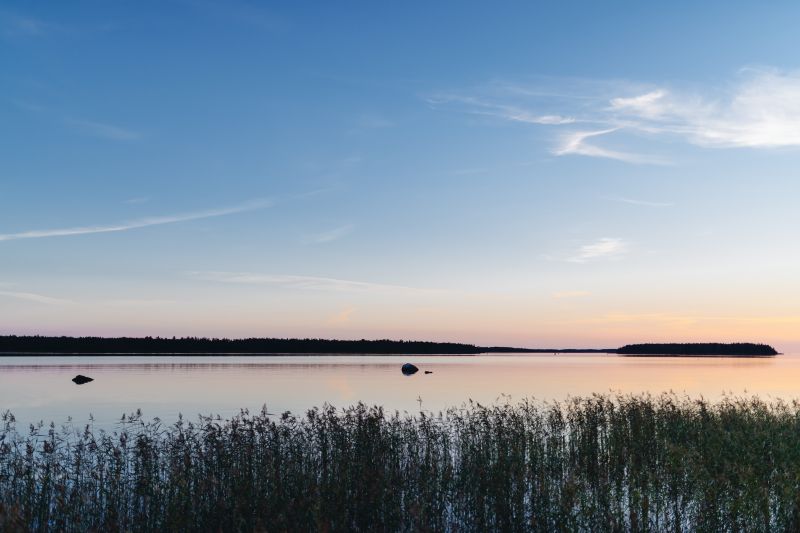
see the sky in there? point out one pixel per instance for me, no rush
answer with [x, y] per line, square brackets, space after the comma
[540, 174]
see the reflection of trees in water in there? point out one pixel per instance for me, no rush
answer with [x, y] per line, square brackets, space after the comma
[156, 367]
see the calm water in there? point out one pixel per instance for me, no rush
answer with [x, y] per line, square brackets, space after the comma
[39, 388]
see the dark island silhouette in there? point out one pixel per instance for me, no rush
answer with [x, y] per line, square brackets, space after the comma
[705, 349]
[36, 344]
[43, 345]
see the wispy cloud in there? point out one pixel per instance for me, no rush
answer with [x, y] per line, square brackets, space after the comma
[103, 130]
[762, 110]
[33, 297]
[759, 109]
[570, 294]
[139, 302]
[302, 282]
[140, 223]
[604, 248]
[648, 105]
[634, 201]
[575, 143]
[331, 235]
[513, 113]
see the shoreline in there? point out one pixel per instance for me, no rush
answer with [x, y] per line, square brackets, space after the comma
[375, 354]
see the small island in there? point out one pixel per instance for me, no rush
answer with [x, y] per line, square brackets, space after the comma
[698, 349]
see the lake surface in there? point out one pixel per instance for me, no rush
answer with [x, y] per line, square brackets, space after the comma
[40, 388]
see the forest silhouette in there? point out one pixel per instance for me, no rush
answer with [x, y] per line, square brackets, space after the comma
[698, 348]
[203, 345]
[38, 344]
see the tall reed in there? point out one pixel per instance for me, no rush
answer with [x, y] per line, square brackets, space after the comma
[601, 463]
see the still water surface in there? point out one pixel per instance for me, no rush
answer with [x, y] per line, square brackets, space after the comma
[39, 388]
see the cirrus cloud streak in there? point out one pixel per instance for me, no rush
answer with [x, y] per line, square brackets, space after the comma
[33, 297]
[139, 223]
[315, 283]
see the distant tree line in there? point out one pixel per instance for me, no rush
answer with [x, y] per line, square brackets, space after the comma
[704, 348]
[206, 345]
[203, 345]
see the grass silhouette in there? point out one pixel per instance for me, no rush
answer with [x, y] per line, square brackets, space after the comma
[597, 463]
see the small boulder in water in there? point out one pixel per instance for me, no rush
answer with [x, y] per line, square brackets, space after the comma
[409, 369]
[81, 379]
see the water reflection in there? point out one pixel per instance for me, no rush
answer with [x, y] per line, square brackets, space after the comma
[41, 388]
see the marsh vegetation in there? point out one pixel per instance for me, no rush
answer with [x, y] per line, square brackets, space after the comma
[598, 463]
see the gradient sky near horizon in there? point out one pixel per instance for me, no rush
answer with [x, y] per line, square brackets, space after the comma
[536, 174]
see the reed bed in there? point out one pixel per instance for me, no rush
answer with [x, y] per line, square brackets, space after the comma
[601, 463]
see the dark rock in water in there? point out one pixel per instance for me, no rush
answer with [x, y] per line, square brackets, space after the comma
[409, 369]
[80, 380]
[429, 371]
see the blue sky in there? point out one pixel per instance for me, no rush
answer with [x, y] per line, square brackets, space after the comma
[577, 174]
